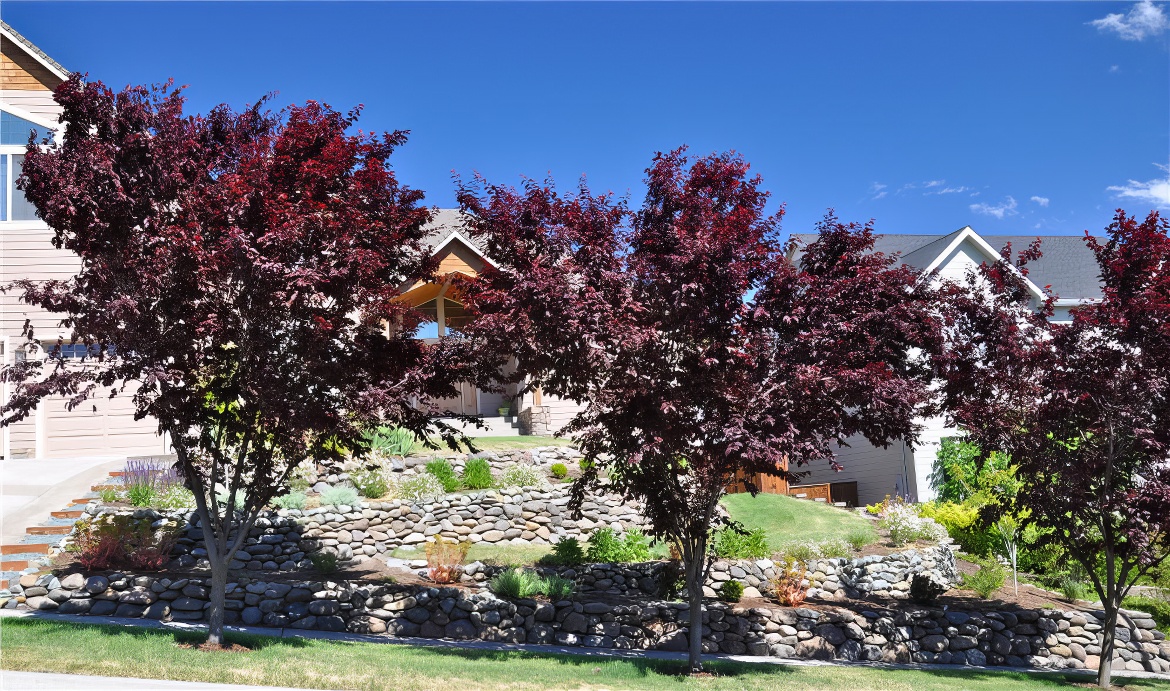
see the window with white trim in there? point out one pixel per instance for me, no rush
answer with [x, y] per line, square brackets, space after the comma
[14, 133]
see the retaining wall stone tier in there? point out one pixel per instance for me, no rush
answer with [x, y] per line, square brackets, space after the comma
[1021, 638]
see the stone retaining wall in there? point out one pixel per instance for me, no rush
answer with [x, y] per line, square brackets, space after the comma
[1020, 638]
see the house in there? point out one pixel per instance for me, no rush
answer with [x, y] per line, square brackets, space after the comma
[1068, 268]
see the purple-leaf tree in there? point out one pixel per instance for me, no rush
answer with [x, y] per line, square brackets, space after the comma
[238, 275]
[701, 350]
[1082, 407]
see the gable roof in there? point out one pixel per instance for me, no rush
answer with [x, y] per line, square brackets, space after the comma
[1066, 264]
[37, 54]
[446, 226]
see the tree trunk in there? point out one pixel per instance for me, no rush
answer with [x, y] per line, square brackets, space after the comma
[215, 614]
[1108, 636]
[695, 567]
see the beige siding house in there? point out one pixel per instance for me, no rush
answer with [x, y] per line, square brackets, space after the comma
[101, 427]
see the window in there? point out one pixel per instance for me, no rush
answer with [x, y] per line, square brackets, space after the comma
[14, 133]
[441, 316]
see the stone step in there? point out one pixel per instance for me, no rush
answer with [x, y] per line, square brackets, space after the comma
[49, 529]
[25, 548]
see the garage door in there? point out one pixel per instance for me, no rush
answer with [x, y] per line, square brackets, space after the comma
[101, 427]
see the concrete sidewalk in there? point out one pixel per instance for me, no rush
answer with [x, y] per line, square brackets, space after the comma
[32, 488]
[42, 681]
[385, 639]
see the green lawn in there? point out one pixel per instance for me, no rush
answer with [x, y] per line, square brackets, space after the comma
[45, 646]
[786, 520]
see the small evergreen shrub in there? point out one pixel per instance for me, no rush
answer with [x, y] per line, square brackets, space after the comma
[371, 481]
[925, 590]
[418, 487]
[324, 562]
[521, 475]
[987, 580]
[731, 591]
[605, 547]
[292, 500]
[442, 470]
[477, 474]
[732, 544]
[516, 583]
[559, 470]
[341, 495]
[567, 552]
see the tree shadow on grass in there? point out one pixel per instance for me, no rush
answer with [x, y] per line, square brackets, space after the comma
[46, 627]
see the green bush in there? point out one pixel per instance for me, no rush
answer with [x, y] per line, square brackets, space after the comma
[567, 552]
[731, 591]
[292, 500]
[324, 562]
[109, 495]
[441, 469]
[959, 476]
[221, 498]
[987, 580]
[1157, 608]
[418, 487]
[521, 475]
[371, 481]
[341, 495]
[174, 497]
[559, 470]
[859, 539]
[557, 588]
[477, 474]
[605, 547]
[140, 495]
[394, 441]
[803, 552]
[732, 544]
[300, 479]
[516, 583]
[963, 525]
[1071, 587]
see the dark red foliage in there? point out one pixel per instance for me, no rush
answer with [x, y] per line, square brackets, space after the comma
[238, 273]
[1082, 407]
[699, 347]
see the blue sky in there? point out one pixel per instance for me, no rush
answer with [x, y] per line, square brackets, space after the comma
[1012, 117]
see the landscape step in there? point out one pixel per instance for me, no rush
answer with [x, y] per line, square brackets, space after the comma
[25, 548]
[13, 564]
[67, 514]
[49, 529]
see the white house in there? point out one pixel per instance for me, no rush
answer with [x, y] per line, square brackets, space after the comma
[1067, 268]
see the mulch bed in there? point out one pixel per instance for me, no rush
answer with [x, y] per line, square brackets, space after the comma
[215, 648]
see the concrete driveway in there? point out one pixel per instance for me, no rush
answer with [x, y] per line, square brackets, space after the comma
[31, 488]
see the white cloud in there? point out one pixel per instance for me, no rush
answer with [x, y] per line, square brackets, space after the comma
[1143, 20]
[1007, 208]
[1115, 68]
[1155, 192]
[934, 183]
[953, 190]
[1042, 201]
[877, 190]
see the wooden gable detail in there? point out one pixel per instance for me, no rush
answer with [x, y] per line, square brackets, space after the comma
[20, 71]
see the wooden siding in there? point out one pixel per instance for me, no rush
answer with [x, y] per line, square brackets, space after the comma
[26, 252]
[19, 70]
[457, 257]
[560, 410]
[100, 427]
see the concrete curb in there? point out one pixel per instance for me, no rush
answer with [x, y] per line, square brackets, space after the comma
[383, 639]
[46, 681]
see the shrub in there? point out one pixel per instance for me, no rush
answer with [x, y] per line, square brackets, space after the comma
[521, 475]
[395, 441]
[477, 474]
[904, 525]
[148, 549]
[803, 552]
[370, 481]
[442, 470]
[95, 546]
[418, 487]
[834, 548]
[341, 495]
[175, 497]
[1157, 608]
[1071, 587]
[962, 523]
[557, 588]
[788, 585]
[292, 500]
[324, 562]
[112, 541]
[732, 544]
[731, 591]
[925, 590]
[959, 474]
[859, 539]
[140, 495]
[222, 499]
[987, 580]
[567, 552]
[109, 495]
[515, 583]
[605, 547]
[559, 470]
[445, 559]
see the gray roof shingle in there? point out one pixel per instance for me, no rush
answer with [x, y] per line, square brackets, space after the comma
[1066, 264]
[32, 47]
